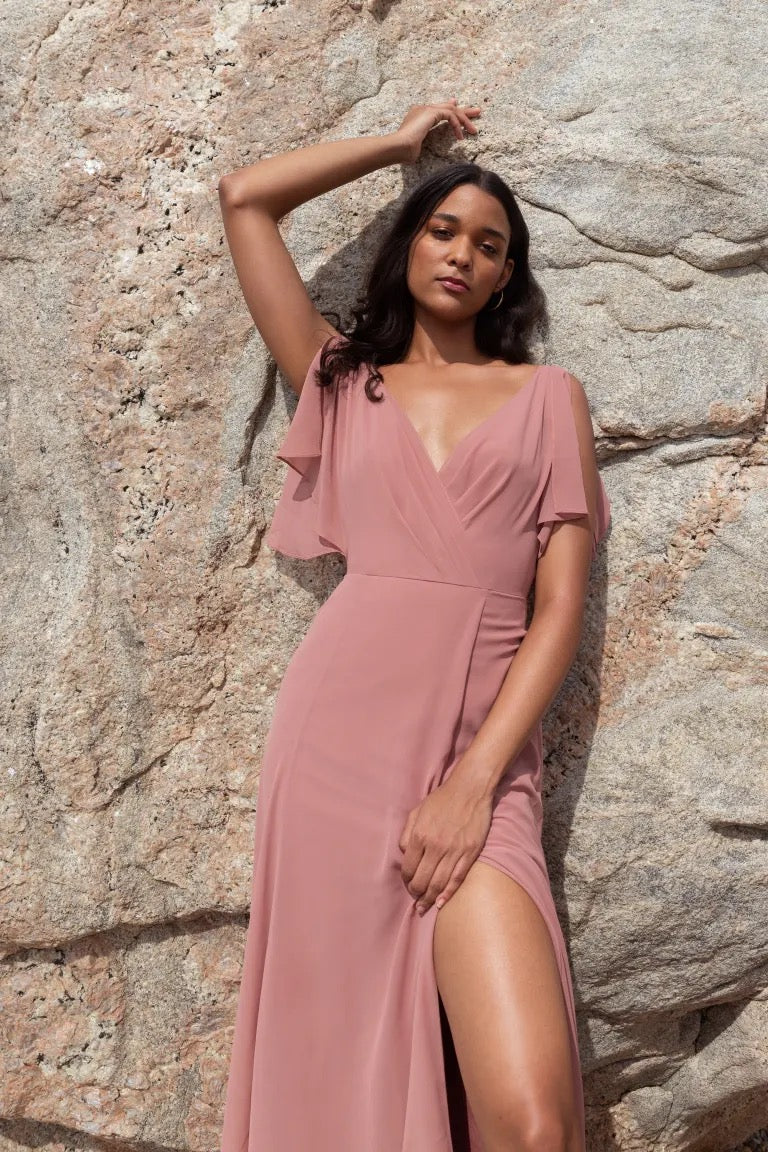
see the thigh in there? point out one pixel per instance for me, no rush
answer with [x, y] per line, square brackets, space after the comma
[500, 986]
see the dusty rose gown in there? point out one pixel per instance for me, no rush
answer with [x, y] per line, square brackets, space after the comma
[340, 1041]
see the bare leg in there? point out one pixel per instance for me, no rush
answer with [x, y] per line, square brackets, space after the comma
[498, 979]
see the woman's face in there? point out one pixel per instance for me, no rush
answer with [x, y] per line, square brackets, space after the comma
[470, 245]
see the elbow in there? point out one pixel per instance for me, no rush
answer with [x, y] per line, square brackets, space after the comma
[228, 191]
[237, 191]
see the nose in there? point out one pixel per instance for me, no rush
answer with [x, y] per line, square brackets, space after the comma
[461, 252]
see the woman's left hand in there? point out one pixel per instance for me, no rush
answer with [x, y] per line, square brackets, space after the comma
[442, 838]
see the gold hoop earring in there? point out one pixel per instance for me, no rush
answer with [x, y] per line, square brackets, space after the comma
[497, 305]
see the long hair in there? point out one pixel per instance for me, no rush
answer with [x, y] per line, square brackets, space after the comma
[384, 314]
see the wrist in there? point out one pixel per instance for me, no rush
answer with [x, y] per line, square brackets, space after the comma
[402, 148]
[476, 777]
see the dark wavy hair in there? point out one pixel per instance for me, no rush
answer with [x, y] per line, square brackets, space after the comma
[384, 313]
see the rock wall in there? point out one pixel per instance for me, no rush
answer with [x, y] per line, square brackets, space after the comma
[144, 630]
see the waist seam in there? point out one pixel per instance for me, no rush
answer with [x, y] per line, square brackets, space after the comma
[435, 580]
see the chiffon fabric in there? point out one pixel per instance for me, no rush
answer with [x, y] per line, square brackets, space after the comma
[341, 1042]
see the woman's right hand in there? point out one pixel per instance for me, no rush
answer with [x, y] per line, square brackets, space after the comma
[422, 118]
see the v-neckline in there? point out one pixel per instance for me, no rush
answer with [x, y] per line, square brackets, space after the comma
[461, 442]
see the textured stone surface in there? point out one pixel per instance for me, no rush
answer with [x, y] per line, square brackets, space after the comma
[144, 631]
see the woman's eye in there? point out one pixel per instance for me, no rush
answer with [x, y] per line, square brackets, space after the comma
[489, 248]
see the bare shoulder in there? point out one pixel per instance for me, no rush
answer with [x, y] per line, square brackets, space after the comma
[579, 401]
[582, 418]
[578, 391]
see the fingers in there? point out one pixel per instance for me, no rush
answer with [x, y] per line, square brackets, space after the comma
[435, 874]
[413, 849]
[441, 114]
[463, 118]
[439, 846]
[419, 857]
[460, 870]
[466, 116]
[431, 876]
[460, 119]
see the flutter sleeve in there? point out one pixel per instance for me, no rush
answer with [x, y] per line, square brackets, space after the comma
[307, 519]
[564, 497]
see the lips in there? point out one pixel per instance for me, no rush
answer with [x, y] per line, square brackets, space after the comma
[453, 283]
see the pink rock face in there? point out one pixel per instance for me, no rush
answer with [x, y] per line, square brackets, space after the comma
[108, 1038]
[145, 630]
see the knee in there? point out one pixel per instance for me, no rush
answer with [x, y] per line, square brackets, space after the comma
[541, 1131]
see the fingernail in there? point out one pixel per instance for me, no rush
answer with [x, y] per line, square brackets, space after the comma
[439, 902]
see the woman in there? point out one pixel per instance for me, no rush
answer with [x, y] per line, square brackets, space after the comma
[405, 984]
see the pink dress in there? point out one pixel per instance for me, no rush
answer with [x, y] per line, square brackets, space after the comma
[340, 1041]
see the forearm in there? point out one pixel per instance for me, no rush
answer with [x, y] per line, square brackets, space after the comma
[537, 670]
[278, 184]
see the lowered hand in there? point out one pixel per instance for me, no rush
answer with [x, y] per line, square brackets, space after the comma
[442, 838]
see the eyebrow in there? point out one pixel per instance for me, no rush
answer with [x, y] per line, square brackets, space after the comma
[455, 220]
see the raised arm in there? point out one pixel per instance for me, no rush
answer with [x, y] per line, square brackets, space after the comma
[253, 199]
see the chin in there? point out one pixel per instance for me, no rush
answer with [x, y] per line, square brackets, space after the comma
[449, 303]
[450, 313]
